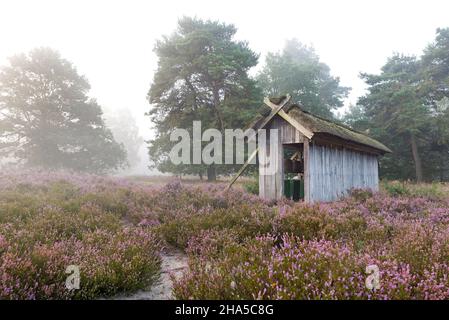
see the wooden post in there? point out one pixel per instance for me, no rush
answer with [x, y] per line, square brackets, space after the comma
[242, 169]
[306, 171]
[274, 111]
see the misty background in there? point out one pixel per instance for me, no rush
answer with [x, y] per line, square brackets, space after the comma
[111, 42]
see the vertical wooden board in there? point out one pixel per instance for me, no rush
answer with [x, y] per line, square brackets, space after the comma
[268, 176]
[321, 169]
[261, 155]
[342, 174]
[316, 178]
[335, 184]
[324, 173]
[280, 172]
[306, 171]
[286, 130]
[279, 163]
[264, 191]
[271, 175]
[313, 174]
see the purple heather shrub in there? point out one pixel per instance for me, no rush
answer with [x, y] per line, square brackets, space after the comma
[321, 251]
[292, 268]
[239, 246]
[50, 221]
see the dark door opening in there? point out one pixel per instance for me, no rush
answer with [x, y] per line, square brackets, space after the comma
[294, 171]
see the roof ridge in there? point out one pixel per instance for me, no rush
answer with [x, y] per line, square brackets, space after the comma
[343, 127]
[325, 119]
[317, 124]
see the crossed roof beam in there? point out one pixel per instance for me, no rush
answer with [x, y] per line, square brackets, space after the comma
[276, 109]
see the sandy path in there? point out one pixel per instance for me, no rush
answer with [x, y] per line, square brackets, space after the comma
[173, 262]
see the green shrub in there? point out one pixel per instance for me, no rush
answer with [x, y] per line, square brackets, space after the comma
[244, 220]
[252, 186]
[395, 188]
[432, 190]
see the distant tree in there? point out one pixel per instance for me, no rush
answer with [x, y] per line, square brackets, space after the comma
[396, 111]
[434, 88]
[407, 107]
[356, 118]
[299, 72]
[435, 70]
[202, 75]
[47, 119]
[125, 131]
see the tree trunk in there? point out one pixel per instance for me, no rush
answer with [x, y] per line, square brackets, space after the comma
[217, 110]
[211, 173]
[416, 159]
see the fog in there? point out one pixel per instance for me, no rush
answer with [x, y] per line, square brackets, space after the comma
[111, 42]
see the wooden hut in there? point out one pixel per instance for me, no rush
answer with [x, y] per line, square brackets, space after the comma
[315, 159]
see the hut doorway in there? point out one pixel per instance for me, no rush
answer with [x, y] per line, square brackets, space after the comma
[294, 171]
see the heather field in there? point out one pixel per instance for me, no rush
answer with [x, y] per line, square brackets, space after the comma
[238, 246]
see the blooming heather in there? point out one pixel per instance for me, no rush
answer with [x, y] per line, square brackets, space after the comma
[239, 246]
[51, 221]
[321, 251]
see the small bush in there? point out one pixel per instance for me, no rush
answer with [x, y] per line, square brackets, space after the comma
[244, 220]
[109, 263]
[396, 188]
[252, 187]
[361, 195]
[435, 191]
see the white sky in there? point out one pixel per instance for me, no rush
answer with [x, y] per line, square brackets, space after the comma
[111, 42]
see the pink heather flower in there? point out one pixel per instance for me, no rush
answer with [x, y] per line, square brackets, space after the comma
[3, 243]
[282, 211]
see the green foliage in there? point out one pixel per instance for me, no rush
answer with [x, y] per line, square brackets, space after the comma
[47, 118]
[298, 71]
[407, 108]
[239, 220]
[397, 112]
[432, 190]
[252, 186]
[395, 188]
[202, 75]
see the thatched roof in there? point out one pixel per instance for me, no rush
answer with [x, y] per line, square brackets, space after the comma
[324, 127]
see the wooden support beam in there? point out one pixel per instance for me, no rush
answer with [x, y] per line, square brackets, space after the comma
[242, 169]
[295, 155]
[306, 132]
[274, 111]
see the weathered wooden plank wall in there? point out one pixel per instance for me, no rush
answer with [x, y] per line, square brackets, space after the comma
[288, 133]
[271, 164]
[332, 172]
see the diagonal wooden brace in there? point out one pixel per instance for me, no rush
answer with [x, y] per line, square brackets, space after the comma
[275, 109]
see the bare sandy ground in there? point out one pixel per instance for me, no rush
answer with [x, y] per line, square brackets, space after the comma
[173, 262]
